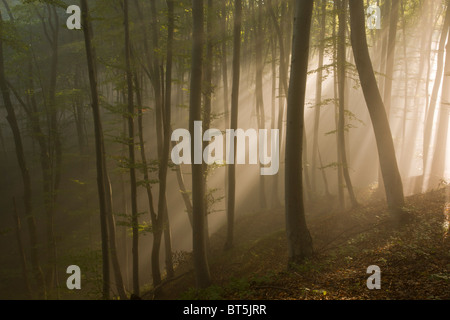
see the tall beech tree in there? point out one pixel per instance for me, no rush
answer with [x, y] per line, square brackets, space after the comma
[234, 120]
[299, 238]
[439, 156]
[131, 152]
[341, 69]
[378, 114]
[431, 107]
[261, 117]
[318, 98]
[201, 267]
[99, 149]
[390, 59]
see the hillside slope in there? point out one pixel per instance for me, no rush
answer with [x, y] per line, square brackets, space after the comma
[414, 259]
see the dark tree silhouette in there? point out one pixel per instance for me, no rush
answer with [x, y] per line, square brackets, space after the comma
[201, 266]
[386, 152]
[299, 239]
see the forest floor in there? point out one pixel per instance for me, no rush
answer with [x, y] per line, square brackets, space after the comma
[414, 258]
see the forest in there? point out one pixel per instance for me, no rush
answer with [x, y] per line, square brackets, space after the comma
[224, 150]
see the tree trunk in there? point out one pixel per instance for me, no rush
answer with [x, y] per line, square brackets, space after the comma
[208, 91]
[391, 55]
[405, 106]
[318, 100]
[156, 273]
[112, 236]
[54, 144]
[234, 121]
[163, 214]
[23, 260]
[429, 121]
[299, 238]
[386, 152]
[201, 268]
[131, 153]
[90, 53]
[223, 26]
[341, 66]
[282, 81]
[340, 178]
[226, 105]
[259, 39]
[439, 157]
[275, 200]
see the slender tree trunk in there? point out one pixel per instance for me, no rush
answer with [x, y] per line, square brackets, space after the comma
[184, 192]
[307, 187]
[79, 113]
[318, 102]
[54, 144]
[163, 214]
[8, 10]
[275, 200]
[299, 238]
[386, 152]
[340, 178]
[439, 156]
[208, 91]
[429, 119]
[156, 273]
[324, 176]
[259, 39]
[23, 260]
[391, 55]
[201, 267]
[234, 121]
[223, 26]
[87, 29]
[131, 152]
[112, 237]
[405, 62]
[157, 84]
[226, 105]
[283, 69]
[341, 66]
[168, 246]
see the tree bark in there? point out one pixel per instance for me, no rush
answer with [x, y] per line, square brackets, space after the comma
[164, 216]
[429, 120]
[201, 267]
[100, 157]
[259, 39]
[299, 238]
[208, 91]
[439, 156]
[131, 152]
[394, 13]
[23, 260]
[112, 236]
[318, 100]
[341, 66]
[386, 152]
[234, 121]
[339, 170]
